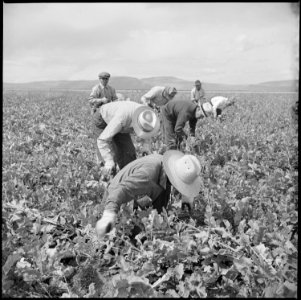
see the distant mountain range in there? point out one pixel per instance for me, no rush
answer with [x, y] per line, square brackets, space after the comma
[132, 83]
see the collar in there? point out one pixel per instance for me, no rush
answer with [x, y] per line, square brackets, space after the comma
[102, 86]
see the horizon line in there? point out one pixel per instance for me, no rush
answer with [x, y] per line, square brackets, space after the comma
[203, 82]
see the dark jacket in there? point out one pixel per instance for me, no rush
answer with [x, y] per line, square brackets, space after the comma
[179, 112]
[141, 177]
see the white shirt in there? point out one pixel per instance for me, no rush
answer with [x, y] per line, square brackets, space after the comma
[198, 96]
[218, 102]
[118, 116]
[155, 96]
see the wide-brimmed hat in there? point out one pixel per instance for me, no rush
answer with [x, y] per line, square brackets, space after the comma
[183, 171]
[145, 122]
[207, 108]
[104, 75]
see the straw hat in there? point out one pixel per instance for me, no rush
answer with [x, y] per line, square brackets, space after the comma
[207, 108]
[183, 171]
[145, 122]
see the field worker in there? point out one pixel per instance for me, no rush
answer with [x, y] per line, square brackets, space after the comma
[219, 103]
[113, 123]
[158, 96]
[148, 179]
[102, 92]
[197, 93]
[174, 116]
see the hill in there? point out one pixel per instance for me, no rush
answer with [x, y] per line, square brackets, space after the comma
[120, 83]
[132, 83]
[277, 86]
[181, 84]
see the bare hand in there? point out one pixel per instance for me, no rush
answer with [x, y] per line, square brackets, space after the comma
[104, 100]
[105, 224]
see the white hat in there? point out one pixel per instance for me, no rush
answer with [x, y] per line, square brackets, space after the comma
[145, 122]
[183, 171]
[207, 108]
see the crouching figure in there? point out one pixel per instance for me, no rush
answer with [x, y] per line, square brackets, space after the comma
[152, 176]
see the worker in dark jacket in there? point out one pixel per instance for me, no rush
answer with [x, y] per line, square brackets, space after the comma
[151, 176]
[175, 114]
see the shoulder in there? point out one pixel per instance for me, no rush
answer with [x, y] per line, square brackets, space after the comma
[96, 87]
[150, 162]
[111, 88]
[144, 165]
[217, 98]
[158, 88]
[123, 107]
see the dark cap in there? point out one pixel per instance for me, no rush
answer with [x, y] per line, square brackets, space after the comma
[197, 82]
[104, 75]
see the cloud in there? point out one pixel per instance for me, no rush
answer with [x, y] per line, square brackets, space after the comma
[211, 41]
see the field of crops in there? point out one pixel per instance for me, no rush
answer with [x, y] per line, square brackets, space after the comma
[240, 240]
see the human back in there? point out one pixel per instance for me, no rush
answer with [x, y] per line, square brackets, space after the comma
[177, 107]
[121, 110]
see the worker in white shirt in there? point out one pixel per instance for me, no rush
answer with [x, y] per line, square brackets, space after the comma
[158, 96]
[197, 93]
[216, 105]
[113, 123]
[219, 103]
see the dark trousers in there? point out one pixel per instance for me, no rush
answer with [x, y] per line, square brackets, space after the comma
[163, 198]
[123, 147]
[170, 137]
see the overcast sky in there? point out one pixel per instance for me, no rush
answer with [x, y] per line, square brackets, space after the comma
[234, 43]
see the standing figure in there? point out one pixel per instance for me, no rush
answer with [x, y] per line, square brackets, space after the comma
[197, 94]
[102, 92]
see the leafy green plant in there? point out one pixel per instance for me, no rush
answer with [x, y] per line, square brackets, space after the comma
[240, 239]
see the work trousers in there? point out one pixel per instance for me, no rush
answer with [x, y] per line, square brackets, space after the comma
[170, 138]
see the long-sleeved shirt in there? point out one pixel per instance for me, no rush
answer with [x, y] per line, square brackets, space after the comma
[144, 176]
[155, 96]
[99, 91]
[197, 96]
[179, 112]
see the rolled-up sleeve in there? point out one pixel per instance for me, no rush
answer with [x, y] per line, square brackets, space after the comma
[135, 184]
